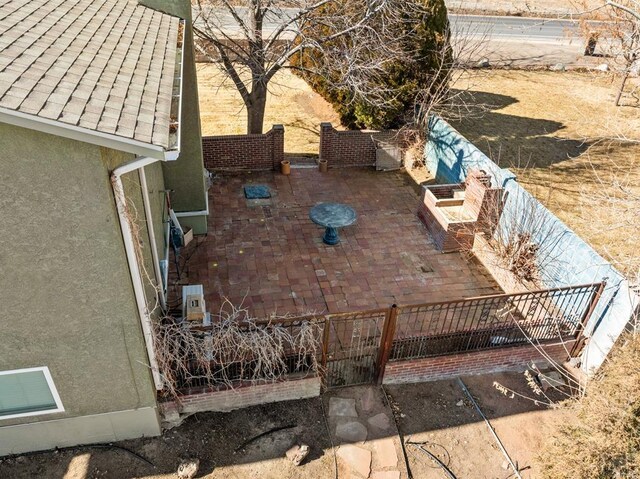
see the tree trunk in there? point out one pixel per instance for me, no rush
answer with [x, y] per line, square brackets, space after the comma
[255, 108]
[622, 84]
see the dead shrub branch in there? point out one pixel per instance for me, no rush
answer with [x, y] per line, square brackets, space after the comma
[236, 348]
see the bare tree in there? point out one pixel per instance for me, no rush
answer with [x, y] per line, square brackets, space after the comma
[618, 35]
[613, 205]
[254, 39]
[450, 93]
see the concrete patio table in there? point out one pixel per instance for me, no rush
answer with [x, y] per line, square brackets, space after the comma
[332, 216]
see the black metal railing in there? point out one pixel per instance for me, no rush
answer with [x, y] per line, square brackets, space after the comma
[434, 329]
[353, 348]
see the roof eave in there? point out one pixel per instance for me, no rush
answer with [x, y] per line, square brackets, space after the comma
[174, 152]
[85, 135]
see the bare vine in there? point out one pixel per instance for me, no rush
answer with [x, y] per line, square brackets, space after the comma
[237, 348]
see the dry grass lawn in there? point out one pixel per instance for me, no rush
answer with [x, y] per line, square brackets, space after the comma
[544, 125]
[290, 102]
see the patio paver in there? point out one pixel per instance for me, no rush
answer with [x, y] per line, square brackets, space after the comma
[269, 256]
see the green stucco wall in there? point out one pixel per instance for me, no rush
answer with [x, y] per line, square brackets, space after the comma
[186, 175]
[156, 187]
[179, 8]
[67, 298]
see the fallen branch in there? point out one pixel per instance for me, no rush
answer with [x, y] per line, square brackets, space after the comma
[266, 433]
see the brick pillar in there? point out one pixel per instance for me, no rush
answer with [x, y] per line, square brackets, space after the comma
[277, 145]
[326, 142]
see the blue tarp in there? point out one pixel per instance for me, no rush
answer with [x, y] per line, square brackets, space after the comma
[450, 156]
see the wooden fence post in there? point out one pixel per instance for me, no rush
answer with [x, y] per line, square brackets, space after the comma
[580, 338]
[386, 342]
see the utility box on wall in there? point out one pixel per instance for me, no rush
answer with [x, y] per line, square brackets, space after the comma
[193, 306]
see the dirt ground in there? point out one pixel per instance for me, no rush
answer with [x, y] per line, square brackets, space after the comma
[290, 102]
[550, 128]
[441, 416]
[211, 437]
[437, 412]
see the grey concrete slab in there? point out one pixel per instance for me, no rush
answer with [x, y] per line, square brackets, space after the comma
[380, 421]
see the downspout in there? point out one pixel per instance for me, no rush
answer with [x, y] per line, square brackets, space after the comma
[152, 238]
[134, 268]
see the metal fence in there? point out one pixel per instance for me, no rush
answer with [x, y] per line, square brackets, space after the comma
[355, 347]
[352, 346]
[435, 329]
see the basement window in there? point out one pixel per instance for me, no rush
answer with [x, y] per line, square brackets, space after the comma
[28, 392]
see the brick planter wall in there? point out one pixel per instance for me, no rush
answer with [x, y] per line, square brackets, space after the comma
[244, 152]
[465, 364]
[225, 400]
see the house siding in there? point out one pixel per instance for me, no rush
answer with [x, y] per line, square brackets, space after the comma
[67, 297]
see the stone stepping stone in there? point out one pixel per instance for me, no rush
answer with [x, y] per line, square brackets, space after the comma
[385, 453]
[385, 475]
[357, 458]
[342, 407]
[368, 400]
[380, 421]
[352, 431]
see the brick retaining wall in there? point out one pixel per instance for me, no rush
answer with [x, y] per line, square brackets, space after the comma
[226, 400]
[466, 364]
[244, 152]
[354, 147]
[397, 372]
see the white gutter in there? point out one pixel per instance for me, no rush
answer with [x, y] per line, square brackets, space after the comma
[132, 259]
[179, 121]
[152, 238]
[85, 135]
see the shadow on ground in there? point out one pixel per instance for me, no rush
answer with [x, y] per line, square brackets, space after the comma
[435, 413]
[441, 417]
[215, 438]
[515, 141]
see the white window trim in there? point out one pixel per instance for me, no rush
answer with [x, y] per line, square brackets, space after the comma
[52, 389]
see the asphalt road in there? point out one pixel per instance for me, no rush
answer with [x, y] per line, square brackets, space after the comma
[516, 41]
[497, 27]
[518, 29]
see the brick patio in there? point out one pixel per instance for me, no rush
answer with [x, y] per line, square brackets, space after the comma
[268, 253]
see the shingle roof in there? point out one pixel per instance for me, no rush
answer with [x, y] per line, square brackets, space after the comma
[104, 65]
